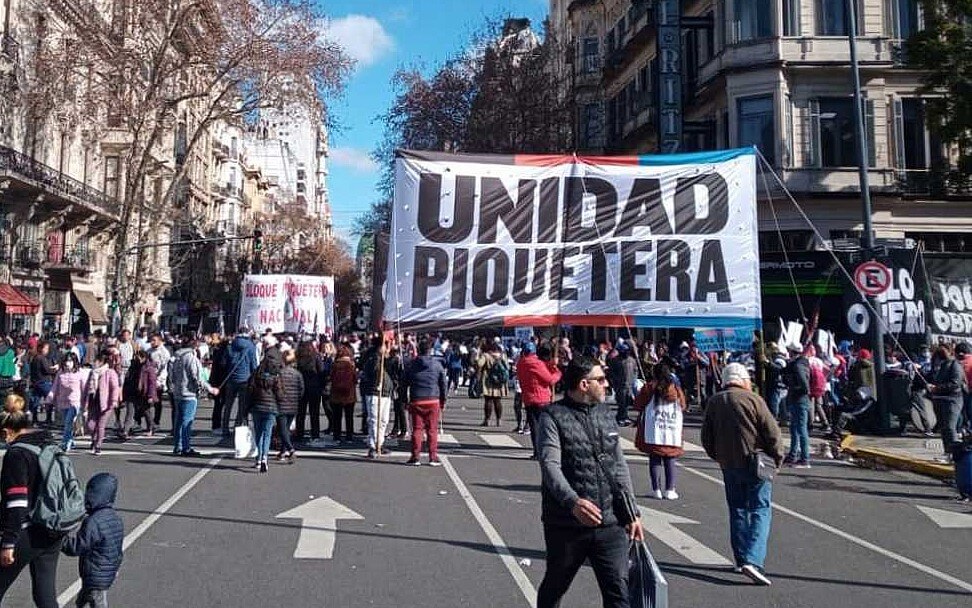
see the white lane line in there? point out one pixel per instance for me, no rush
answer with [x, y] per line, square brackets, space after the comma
[691, 447]
[907, 561]
[626, 444]
[71, 592]
[496, 440]
[519, 576]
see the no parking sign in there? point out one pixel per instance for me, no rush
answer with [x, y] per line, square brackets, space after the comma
[872, 278]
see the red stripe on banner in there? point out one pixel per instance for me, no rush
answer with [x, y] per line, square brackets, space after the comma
[542, 160]
[17, 490]
[609, 160]
[553, 160]
[580, 320]
[529, 321]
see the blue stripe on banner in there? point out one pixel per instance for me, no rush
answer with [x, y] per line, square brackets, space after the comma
[662, 160]
[694, 322]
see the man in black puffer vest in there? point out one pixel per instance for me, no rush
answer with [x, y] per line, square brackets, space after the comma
[581, 520]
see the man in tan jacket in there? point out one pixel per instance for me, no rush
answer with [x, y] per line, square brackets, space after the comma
[738, 424]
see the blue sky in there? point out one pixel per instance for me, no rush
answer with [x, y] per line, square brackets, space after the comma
[383, 35]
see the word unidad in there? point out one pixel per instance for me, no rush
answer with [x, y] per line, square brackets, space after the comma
[499, 273]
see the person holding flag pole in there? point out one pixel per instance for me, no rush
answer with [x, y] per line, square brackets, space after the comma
[377, 387]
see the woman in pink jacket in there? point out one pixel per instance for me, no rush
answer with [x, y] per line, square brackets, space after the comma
[103, 395]
[69, 385]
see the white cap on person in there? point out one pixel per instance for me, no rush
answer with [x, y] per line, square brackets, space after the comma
[735, 373]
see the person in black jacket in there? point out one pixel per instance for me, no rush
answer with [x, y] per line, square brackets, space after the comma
[23, 543]
[311, 367]
[947, 388]
[582, 519]
[293, 391]
[218, 375]
[266, 394]
[427, 385]
[797, 376]
[98, 543]
[378, 387]
[42, 372]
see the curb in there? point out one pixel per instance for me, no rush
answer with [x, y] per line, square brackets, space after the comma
[897, 461]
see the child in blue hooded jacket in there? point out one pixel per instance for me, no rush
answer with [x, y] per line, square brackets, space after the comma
[98, 543]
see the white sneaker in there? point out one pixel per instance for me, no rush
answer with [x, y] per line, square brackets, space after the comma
[658, 495]
[756, 575]
[671, 495]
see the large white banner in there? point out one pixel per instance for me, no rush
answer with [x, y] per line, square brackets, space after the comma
[666, 241]
[288, 303]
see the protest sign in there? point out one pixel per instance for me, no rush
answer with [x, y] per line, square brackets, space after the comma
[650, 241]
[288, 303]
[950, 296]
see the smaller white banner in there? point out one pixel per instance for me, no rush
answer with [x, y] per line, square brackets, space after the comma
[288, 303]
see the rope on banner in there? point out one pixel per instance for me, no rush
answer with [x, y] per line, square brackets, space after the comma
[779, 234]
[615, 278]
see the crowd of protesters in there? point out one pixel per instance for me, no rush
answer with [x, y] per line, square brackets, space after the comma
[303, 391]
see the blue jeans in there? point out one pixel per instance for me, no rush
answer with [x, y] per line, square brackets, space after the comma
[967, 411]
[37, 394]
[67, 438]
[263, 427]
[750, 514]
[775, 400]
[185, 414]
[799, 431]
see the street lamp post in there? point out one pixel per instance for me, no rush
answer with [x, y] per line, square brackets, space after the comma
[876, 329]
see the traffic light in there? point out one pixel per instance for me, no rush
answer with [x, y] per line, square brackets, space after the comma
[257, 240]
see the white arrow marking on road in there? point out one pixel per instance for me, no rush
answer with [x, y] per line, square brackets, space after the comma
[661, 525]
[947, 519]
[318, 526]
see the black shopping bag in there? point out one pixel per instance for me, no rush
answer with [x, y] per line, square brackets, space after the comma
[647, 586]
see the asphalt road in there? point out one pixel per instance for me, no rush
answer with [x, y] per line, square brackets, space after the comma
[207, 532]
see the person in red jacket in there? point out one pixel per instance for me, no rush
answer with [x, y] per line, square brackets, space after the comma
[536, 375]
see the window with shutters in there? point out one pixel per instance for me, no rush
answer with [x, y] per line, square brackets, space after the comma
[903, 18]
[832, 131]
[753, 19]
[591, 125]
[917, 151]
[112, 164]
[834, 20]
[791, 18]
[756, 125]
[592, 55]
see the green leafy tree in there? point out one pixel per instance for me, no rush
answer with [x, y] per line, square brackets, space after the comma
[943, 51]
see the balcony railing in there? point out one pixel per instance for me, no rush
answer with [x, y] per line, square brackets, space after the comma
[931, 182]
[30, 256]
[55, 182]
[77, 257]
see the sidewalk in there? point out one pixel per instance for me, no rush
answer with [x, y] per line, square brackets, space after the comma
[915, 454]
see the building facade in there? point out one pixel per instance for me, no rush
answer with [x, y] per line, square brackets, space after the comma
[774, 74]
[58, 189]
